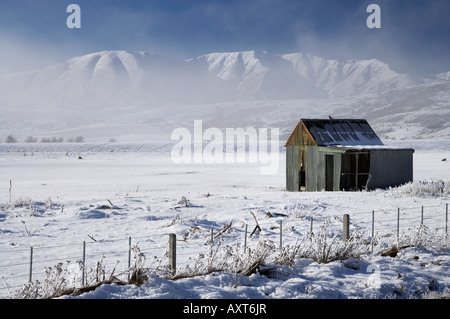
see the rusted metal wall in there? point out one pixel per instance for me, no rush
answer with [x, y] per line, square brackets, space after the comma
[300, 137]
[316, 168]
[292, 169]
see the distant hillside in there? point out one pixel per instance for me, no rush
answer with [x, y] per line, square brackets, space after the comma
[134, 94]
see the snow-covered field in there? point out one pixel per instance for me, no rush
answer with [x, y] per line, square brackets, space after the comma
[54, 198]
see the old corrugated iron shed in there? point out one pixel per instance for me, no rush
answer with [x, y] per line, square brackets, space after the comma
[343, 154]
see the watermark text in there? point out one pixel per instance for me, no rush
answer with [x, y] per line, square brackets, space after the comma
[74, 19]
[237, 145]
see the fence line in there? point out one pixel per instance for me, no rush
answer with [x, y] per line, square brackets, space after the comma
[173, 249]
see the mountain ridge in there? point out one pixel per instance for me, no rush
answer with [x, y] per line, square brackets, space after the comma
[151, 78]
[139, 94]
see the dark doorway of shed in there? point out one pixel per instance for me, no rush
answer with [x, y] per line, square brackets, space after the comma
[329, 172]
[301, 173]
[355, 170]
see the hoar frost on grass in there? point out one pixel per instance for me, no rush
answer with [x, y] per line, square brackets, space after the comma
[424, 188]
[322, 247]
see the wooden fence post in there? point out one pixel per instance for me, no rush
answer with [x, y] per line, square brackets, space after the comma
[31, 264]
[398, 227]
[129, 257]
[173, 253]
[84, 264]
[373, 228]
[346, 228]
[421, 216]
[446, 220]
[281, 235]
[446, 217]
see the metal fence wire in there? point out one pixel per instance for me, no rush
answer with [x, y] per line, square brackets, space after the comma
[93, 261]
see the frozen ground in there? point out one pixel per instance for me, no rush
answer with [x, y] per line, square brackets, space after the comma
[54, 198]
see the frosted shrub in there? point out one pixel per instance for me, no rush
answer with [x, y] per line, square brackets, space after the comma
[324, 247]
[30, 139]
[16, 203]
[425, 238]
[54, 284]
[288, 255]
[248, 262]
[10, 139]
[62, 280]
[425, 188]
[77, 139]
[137, 270]
[52, 140]
[229, 259]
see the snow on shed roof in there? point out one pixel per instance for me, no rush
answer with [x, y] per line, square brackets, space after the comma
[342, 132]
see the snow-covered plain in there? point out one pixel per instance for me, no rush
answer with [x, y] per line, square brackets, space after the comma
[55, 197]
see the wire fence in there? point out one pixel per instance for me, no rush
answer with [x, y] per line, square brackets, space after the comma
[92, 260]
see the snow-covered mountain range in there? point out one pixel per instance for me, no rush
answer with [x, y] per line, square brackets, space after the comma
[136, 88]
[215, 77]
[259, 75]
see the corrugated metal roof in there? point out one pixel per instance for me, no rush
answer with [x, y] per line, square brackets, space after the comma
[344, 132]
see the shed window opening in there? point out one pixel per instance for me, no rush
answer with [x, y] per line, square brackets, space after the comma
[355, 171]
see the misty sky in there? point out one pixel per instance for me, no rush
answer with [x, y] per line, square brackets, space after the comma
[414, 35]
